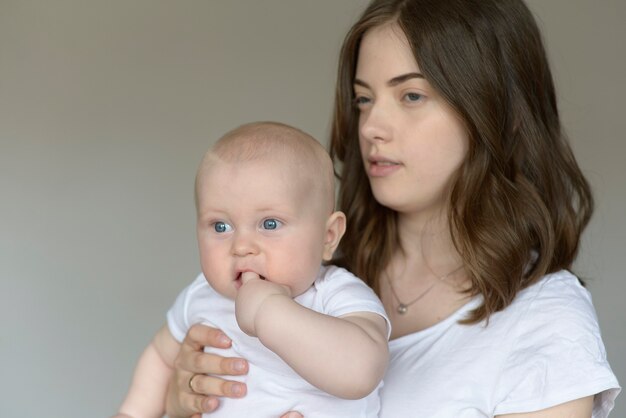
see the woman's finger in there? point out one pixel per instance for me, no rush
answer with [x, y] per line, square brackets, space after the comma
[200, 336]
[211, 385]
[207, 363]
[205, 404]
[200, 403]
[207, 385]
[292, 414]
[204, 368]
[182, 404]
[193, 359]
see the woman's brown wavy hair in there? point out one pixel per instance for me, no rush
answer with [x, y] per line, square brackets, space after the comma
[519, 202]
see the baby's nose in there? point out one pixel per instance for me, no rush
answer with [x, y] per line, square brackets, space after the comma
[244, 245]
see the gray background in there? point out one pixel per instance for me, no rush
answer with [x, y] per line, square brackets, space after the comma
[105, 110]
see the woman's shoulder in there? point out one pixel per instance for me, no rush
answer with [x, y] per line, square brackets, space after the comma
[557, 303]
[554, 321]
[560, 291]
[555, 346]
[562, 279]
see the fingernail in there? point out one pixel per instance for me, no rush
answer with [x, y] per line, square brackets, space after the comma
[223, 339]
[239, 365]
[209, 404]
[237, 390]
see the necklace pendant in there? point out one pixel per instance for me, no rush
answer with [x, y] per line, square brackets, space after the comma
[402, 309]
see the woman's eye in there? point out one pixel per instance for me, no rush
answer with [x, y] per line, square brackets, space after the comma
[222, 227]
[360, 101]
[271, 223]
[413, 97]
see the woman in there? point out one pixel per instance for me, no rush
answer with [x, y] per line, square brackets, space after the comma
[465, 208]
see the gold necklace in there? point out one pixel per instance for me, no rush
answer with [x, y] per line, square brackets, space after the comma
[404, 307]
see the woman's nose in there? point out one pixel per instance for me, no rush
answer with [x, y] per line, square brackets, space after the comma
[374, 124]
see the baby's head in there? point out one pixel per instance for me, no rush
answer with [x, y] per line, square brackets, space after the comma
[295, 153]
[265, 203]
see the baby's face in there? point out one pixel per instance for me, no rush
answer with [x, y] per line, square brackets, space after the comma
[259, 216]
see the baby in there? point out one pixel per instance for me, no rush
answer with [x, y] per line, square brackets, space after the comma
[315, 336]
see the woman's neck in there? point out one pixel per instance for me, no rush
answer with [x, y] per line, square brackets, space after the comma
[426, 277]
[427, 244]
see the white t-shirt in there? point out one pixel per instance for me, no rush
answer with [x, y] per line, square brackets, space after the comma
[543, 350]
[273, 387]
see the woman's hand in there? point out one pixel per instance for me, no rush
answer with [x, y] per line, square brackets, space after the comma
[182, 401]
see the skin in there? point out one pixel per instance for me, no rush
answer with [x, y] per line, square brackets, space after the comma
[412, 145]
[264, 253]
[411, 141]
[277, 235]
[261, 254]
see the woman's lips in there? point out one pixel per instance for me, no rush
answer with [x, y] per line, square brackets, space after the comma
[381, 167]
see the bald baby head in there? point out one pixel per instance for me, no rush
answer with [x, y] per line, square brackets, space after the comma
[303, 159]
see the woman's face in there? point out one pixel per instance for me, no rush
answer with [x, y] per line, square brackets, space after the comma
[411, 141]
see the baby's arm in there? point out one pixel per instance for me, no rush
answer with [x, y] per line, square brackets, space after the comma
[146, 396]
[345, 356]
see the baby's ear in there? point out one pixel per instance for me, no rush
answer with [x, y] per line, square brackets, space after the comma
[335, 228]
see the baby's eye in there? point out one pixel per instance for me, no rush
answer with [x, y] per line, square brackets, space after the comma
[221, 227]
[271, 223]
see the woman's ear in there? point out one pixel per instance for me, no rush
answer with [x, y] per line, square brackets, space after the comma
[335, 228]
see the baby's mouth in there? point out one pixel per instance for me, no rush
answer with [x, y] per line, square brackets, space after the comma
[239, 282]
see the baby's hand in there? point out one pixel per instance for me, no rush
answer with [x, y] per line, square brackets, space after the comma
[251, 296]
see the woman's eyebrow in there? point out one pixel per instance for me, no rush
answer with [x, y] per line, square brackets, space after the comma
[404, 77]
[393, 82]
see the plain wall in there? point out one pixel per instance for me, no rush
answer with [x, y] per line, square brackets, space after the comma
[106, 108]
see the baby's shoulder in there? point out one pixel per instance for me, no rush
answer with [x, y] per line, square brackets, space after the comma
[200, 291]
[331, 276]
